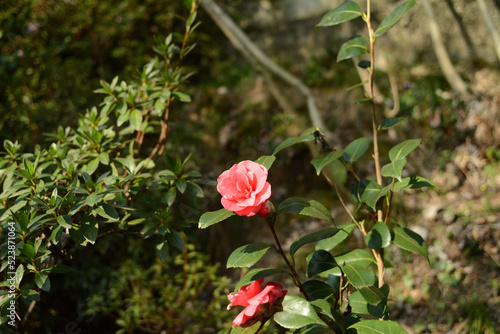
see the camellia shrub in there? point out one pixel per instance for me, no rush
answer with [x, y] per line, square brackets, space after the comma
[338, 293]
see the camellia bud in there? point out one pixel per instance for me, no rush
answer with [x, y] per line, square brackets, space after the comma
[266, 209]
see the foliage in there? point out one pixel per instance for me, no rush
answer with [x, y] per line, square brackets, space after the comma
[342, 287]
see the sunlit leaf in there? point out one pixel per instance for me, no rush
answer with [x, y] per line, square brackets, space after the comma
[379, 236]
[312, 237]
[356, 149]
[306, 136]
[394, 168]
[394, 17]
[297, 313]
[266, 161]
[354, 47]
[378, 327]
[411, 241]
[305, 207]
[324, 159]
[210, 218]
[347, 11]
[248, 255]
[403, 149]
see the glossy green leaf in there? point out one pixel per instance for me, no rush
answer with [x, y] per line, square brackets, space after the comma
[394, 168]
[247, 330]
[89, 228]
[175, 239]
[413, 182]
[318, 289]
[104, 158]
[305, 207]
[410, 241]
[65, 221]
[378, 327]
[319, 262]
[394, 17]
[91, 167]
[42, 281]
[136, 119]
[354, 47]
[369, 192]
[358, 276]
[356, 149]
[19, 275]
[306, 136]
[347, 11]
[248, 255]
[266, 161]
[324, 159]
[379, 236]
[106, 210]
[214, 217]
[161, 249]
[372, 295]
[390, 123]
[329, 243]
[312, 237]
[183, 97]
[359, 257]
[403, 149]
[256, 274]
[361, 306]
[297, 313]
[170, 196]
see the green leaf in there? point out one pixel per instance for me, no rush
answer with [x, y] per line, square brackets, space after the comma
[347, 11]
[256, 274]
[266, 161]
[136, 119]
[394, 17]
[390, 123]
[214, 217]
[42, 281]
[19, 275]
[361, 306]
[358, 276]
[318, 289]
[410, 241]
[356, 149]
[247, 330]
[90, 228]
[358, 257]
[92, 166]
[342, 233]
[305, 207]
[170, 196]
[65, 221]
[319, 262]
[403, 149]
[354, 47]
[312, 237]
[77, 235]
[176, 240]
[372, 294]
[91, 199]
[248, 255]
[181, 185]
[394, 168]
[306, 136]
[378, 327]
[413, 182]
[324, 159]
[161, 249]
[379, 236]
[297, 313]
[104, 158]
[183, 97]
[107, 211]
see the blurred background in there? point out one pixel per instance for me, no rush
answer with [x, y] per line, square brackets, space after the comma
[439, 67]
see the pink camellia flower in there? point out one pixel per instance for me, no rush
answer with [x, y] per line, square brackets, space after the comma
[244, 188]
[258, 302]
